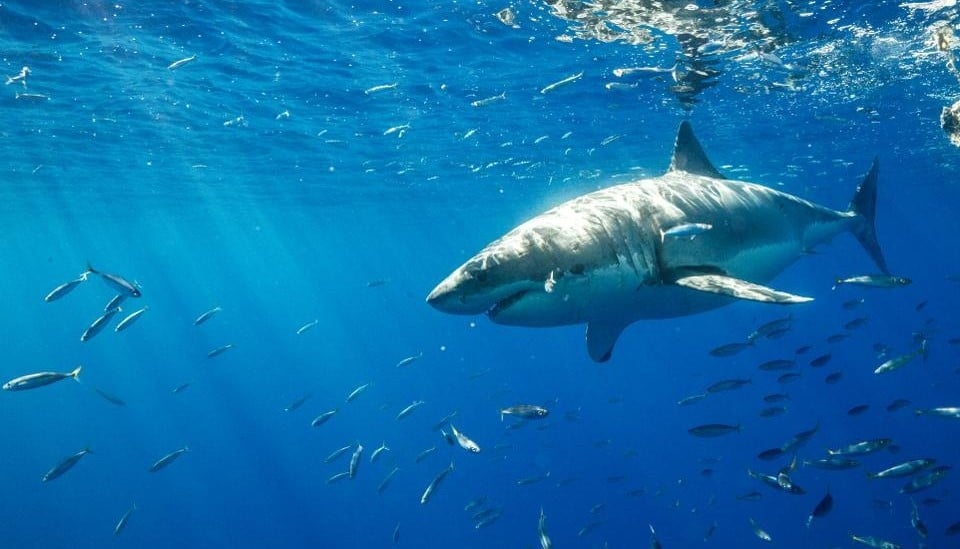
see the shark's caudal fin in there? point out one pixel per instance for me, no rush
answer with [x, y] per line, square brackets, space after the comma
[864, 205]
[688, 155]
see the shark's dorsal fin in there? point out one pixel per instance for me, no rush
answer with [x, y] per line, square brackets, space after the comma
[688, 155]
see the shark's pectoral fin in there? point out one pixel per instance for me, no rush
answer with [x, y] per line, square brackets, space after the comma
[740, 289]
[601, 337]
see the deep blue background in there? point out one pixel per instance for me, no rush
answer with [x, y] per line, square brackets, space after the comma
[283, 220]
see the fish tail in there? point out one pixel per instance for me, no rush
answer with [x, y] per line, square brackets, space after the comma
[89, 270]
[864, 205]
[75, 374]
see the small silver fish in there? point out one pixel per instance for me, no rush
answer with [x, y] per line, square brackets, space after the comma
[307, 326]
[355, 461]
[122, 523]
[525, 411]
[821, 509]
[114, 302]
[464, 441]
[874, 281]
[338, 476]
[728, 385]
[380, 88]
[337, 453]
[862, 447]
[545, 542]
[872, 541]
[298, 403]
[65, 465]
[64, 289]
[833, 463]
[435, 483]
[714, 430]
[410, 359]
[567, 80]
[129, 319]
[944, 411]
[109, 398]
[904, 469]
[409, 409]
[489, 100]
[425, 454]
[926, 480]
[323, 418]
[356, 392]
[207, 315]
[386, 480]
[117, 282]
[730, 349]
[32, 381]
[916, 522]
[475, 503]
[895, 363]
[692, 399]
[98, 325]
[760, 532]
[180, 62]
[376, 453]
[220, 350]
[167, 459]
[773, 326]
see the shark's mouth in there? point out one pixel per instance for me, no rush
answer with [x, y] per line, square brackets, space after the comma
[505, 303]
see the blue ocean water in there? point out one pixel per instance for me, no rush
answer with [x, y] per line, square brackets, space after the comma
[331, 162]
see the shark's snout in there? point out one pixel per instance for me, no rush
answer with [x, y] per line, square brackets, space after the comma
[453, 295]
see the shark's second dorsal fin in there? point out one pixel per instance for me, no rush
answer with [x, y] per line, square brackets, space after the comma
[688, 155]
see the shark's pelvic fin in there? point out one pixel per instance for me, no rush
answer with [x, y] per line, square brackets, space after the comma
[740, 289]
[688, 155]
[601, 337]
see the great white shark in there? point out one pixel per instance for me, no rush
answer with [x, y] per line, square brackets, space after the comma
[688, 241]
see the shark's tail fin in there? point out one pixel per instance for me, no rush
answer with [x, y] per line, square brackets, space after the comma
[864, 205]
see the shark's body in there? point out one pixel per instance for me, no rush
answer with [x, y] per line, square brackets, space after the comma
[611, 257]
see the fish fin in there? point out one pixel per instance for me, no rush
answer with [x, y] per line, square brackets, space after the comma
[740, 289]
[688, 155]
[601, 337]
[75, 374]
[864, 206]
[90, 269]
